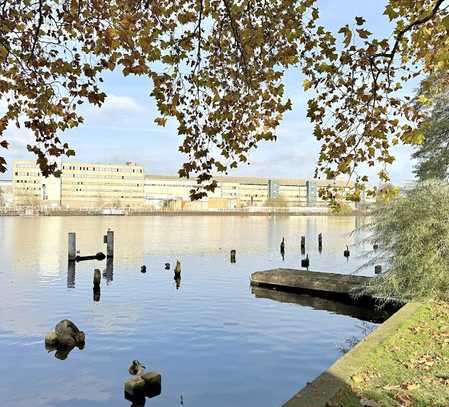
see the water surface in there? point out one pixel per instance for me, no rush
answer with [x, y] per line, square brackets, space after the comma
[214, 341]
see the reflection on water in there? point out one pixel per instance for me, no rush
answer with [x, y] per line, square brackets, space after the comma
[335, 307]
[62, 352]
[212, 340]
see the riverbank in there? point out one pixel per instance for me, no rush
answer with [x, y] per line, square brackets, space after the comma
[404, 363]
[280, 212]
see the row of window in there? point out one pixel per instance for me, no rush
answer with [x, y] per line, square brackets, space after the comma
[117, 176]
[101, 169]
[24, 181]
[100, 197]
[95, 184]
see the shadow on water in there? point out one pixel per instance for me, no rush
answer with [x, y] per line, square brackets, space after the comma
[335, 307]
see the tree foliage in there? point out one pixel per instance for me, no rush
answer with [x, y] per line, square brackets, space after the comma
[412, 232]
[217, 68]
[433, 154]
[357, 106]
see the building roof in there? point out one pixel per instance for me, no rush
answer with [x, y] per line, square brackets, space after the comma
[253, 180]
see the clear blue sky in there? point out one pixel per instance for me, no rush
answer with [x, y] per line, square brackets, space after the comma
[124, 130]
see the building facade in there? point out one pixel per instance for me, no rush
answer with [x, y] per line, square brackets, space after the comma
[99, 186]
[6, 194]
[80, 186]
[30, 188]
[238, 192]
[87, 185]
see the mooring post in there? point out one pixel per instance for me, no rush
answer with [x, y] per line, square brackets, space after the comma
[233, 253]
[110, 244]
[72, 246]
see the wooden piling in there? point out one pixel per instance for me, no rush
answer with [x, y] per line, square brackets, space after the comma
[233, 253]
[110, 244]
[72, 246]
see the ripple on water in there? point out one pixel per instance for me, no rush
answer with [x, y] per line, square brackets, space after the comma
[213, 341]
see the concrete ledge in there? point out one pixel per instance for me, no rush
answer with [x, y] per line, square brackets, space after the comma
[332, 383]
[340, 287]
[309, 280]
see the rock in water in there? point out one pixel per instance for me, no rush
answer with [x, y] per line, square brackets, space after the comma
[68, 328]
[51, 339]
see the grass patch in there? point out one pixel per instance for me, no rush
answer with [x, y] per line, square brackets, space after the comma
[410, 368]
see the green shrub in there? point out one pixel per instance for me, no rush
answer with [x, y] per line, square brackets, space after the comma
[412, 232]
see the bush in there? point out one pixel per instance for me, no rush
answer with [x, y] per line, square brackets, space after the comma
[412, 232]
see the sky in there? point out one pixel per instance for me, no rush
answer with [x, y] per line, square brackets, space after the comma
[124, 129]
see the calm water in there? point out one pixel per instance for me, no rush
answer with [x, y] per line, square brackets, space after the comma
[214, 341]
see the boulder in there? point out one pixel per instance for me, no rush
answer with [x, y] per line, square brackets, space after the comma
[67, 332]
[51, 339]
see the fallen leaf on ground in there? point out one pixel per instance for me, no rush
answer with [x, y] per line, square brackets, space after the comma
[369, 403]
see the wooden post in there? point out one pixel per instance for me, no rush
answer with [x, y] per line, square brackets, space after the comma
[72, 246]
[110, 244]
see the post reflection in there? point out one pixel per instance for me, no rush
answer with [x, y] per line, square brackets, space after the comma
[71, 274]
[108, 273]
[177, 279]
[96, 294]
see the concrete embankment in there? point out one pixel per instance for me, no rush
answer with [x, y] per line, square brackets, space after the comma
[332, 387]
[280, 284]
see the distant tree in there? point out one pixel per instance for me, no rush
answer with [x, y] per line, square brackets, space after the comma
[433, 154]
[412, 232]
[217, 68]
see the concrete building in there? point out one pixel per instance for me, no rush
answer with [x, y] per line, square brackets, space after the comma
[81, 185]
[87, 185]
[99, 186]
[238, 192]
[30, 188]
[6, 194]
